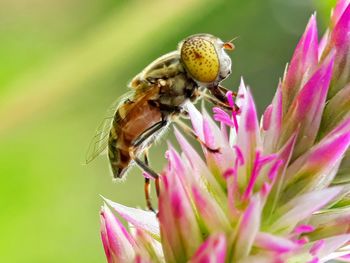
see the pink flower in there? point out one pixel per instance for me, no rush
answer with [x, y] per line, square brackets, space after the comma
[275, 192]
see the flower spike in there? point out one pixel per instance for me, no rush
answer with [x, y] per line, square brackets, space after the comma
[278, 192]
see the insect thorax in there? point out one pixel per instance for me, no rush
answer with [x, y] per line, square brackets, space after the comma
[176, 86]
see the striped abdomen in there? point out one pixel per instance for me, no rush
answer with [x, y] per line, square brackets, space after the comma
[130, 122]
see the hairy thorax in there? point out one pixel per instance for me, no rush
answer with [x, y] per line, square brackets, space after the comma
[175, 86]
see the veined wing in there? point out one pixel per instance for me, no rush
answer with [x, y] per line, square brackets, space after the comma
[99, 142]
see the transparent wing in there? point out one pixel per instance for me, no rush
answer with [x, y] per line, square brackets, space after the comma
[99, 142]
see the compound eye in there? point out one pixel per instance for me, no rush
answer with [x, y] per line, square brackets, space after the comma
[200, 59]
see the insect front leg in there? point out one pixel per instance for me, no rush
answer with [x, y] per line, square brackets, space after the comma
[215, 101]
[218, 97]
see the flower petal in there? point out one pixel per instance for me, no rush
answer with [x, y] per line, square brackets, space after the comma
[177, 217]
[248, 228]
[196, 120]
[248, 138]
[213, 250]
[142, 219]
[301, 229]
[340, 39]
[118, 243]
[212, 215]
[273, 123]
[314, 169]
[331, 245]
[337, 110]
[148, 249]
[304, 61]
[274, 243]
[339, 10]
[306, 111]
[199, 167]
[301, 207]
[284, 156]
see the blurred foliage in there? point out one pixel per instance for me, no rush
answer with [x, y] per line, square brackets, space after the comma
[63, 62]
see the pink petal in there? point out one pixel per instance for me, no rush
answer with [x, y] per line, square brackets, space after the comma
[140, 259]
[222, 116]
[306, 110]
[148, 249]
[213, 217]
[316, 247]
[118, 243]
[339, 10]
[304, 60]
[242, 90]
[175, 163]
[177, 217]
[274, 243]
[171, 237]
[213, 250]
[343, 127]
[249, 115]
[344, 257]
[142, 219]
[259, 163]
[248, 228]
[337, 110]
[248, 138]
[214, 131]
[284, 157]
[301, 229]
[340, 39]
[331, 245]
[267, 118]
[323, 47]
[328, 152]
[265, 190]
[199, 167]
[333, 218]
[301, 207]
[303, 240]
[196, 120]
[215, 139]
[229, 96]
[320, 159]
[105, 242]
[233, 193]
[273, 116]
[314, 260]
[197, 164]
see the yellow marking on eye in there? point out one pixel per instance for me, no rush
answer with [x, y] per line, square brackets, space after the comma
[200, 59]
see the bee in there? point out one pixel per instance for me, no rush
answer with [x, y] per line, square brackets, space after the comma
[157, 98]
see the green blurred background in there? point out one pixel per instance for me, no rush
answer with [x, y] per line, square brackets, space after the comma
[62, 63]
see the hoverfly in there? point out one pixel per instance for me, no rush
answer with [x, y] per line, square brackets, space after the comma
[157, 97]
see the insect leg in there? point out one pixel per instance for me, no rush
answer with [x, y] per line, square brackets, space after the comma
[215, 101]
[220, 92]
[190, 132]
[224, 90]
[157, 186]
[218, 97]
[147, 187]
[143, 165]
[139, 141]
[148, 133]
